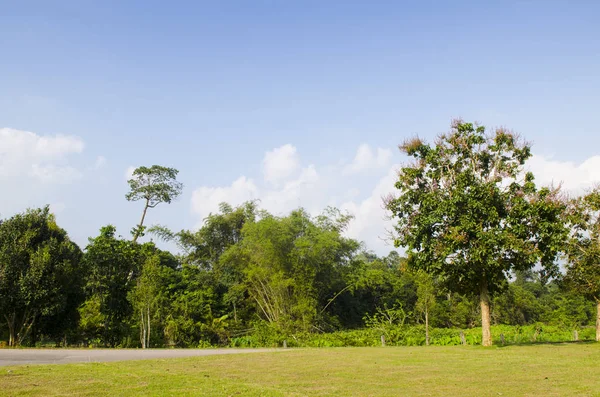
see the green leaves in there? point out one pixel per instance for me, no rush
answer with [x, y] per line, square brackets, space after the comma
[40, 272]
[291, 266]
[466, 210]
[583, 250]
[155, 184]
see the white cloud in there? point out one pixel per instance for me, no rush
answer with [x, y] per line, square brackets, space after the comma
[371, 222]
[575, 178]
[367, 159]
[207, 199]
[37, 169]
[287, 186]
[129, 172]
[53, 146]
[54, 174]
[44, 158]
[300, 192]
[314, 188]
[280, 163]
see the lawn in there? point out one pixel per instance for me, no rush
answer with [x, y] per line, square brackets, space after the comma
[535, 370]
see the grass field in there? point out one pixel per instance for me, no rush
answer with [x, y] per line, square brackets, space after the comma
[535, 370]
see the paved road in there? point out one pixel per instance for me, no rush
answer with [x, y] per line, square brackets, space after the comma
[64, 356]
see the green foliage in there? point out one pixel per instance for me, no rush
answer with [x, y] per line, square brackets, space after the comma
[583, 250]
[150, 297]
[220, 231]
[250, 279]
[193, 306]
[426, 293]
[290, 267]
[124, 278]
[387, 318]
[453, 310]
[40, 277]
[153, 185]
[414, 335]
[110, 261]
[466, 215]
[517, 306]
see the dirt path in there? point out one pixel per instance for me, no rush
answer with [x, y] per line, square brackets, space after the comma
[65, 356]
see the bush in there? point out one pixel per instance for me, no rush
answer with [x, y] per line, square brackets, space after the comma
[404, 335]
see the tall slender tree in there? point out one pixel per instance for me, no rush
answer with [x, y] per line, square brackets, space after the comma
[153, 185]
[426, 298]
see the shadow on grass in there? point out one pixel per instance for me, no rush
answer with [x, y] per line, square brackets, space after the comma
[538, 343]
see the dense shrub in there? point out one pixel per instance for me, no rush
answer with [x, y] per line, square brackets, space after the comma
[415, 336]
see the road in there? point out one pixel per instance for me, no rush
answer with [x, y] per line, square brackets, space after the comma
[65, 356]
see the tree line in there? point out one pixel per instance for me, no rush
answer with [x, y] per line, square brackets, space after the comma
[484, 245]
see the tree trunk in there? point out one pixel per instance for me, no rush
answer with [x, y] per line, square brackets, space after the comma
[426, 327]
[598, 321]
[142, 329]
[25, 328]
[11, 330]
[139, 228]
[484, 299]
[148, 314]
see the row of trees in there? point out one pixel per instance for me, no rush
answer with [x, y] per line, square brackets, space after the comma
[483, 244]
[244, 271]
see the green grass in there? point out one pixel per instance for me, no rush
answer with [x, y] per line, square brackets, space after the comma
[535, 370]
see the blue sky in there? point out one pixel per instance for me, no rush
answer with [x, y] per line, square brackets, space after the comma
[329, 88]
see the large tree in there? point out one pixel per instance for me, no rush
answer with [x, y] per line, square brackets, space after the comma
[583, 270]
[153, 185]
[468, 212]
[292, 266]
[39, 272]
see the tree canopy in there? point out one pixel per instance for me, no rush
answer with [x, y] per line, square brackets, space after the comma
[468, 212]
[40, 273]
[583, 249]
[153, 185]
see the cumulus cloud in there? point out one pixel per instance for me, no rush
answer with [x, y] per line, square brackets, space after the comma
[315, 187]
[302, 191]
[43, 158]
[368, 159]
[371, 222]
[54, 174]
[280, 163]
[575, 178]
[206, 200]
[290, 185]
